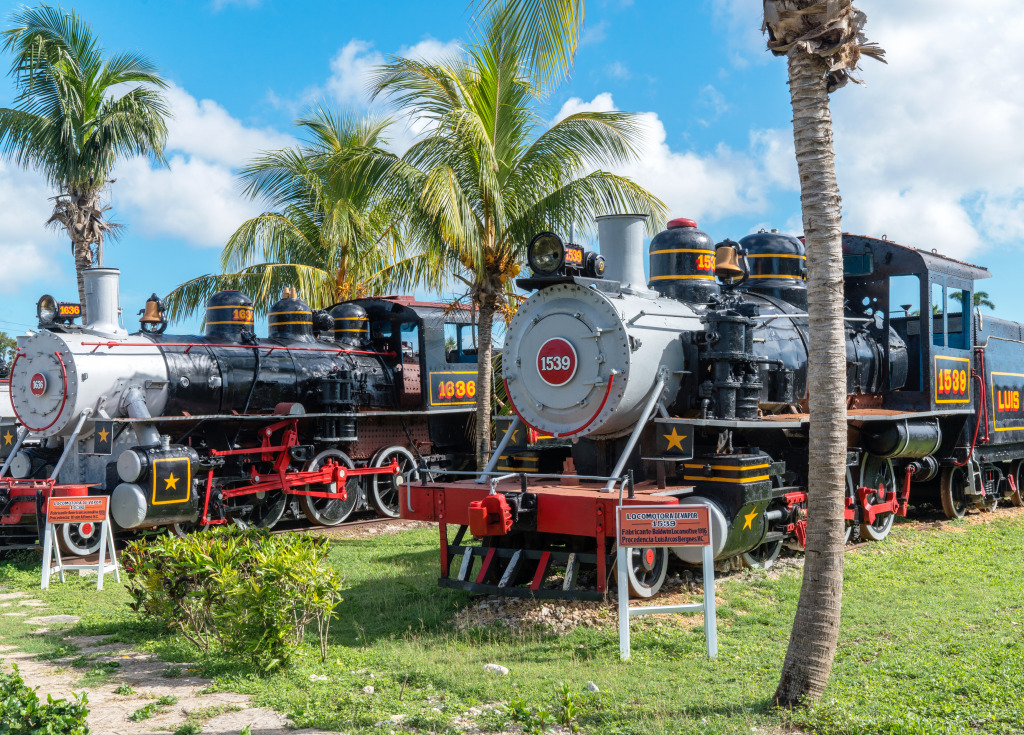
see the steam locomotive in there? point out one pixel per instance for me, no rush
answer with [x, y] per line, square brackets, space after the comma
[690, 388]
[327, 412]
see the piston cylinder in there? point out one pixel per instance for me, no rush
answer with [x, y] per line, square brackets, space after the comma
[902, 439]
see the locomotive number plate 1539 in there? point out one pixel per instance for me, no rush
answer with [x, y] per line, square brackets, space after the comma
[556, 361]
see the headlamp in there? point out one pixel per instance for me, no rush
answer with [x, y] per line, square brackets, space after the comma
[546, 253]
[46, 310]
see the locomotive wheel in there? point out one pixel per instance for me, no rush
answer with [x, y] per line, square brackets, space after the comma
[78, 539]
[1018, 497]
[952, 491]
[324, 511]
[383, 491]
[267, 509]
[876, 471]
[181, 530]
[851, 492]
[763, 556]
[646, 571]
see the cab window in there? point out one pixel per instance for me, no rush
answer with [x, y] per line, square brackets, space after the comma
[958, 318]
[460, 343]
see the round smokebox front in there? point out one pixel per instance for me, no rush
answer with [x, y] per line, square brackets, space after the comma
[565, 360]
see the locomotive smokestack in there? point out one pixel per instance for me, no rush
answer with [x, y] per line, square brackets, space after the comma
[102, 304]
[621, 237]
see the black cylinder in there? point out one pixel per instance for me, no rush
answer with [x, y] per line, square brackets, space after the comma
[683, 263]
[777, 266]
[228, 314]
[902, 439]
[291, 319]
[351, 324]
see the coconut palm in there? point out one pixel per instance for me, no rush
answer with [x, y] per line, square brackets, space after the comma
[551, 28]
[491, 174]
[822, 43]
[980, 299]
[331, 229]
[75, 114]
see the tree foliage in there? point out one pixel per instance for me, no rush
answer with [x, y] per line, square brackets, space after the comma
[76, 113]
[333, 229]
[492, 173]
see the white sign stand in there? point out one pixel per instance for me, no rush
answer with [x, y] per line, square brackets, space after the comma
[51, 553]
[707, 607]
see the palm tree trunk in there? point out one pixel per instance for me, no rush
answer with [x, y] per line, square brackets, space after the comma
[83, 260]
[812, 644]
[484, 352]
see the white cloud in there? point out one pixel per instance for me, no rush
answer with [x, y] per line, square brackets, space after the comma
[618, 70]
[930, 151]
[352, 68]
[702, 186]
[193, 199]
[205, 129]
[28, 250]
[196, 198]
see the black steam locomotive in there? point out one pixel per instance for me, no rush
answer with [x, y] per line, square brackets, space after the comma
[695, 381]
[322, 416]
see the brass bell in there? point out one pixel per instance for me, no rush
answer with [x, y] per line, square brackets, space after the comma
[154, 311]
[727, 265]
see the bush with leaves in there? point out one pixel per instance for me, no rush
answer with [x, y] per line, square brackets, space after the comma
[252, 592]
[21, 712]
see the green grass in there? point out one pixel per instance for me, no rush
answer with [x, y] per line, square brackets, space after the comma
[931, 643]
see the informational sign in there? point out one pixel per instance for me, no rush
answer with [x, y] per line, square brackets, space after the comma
[77, 510]
[662, 526]
[81, 510]
[654, 526]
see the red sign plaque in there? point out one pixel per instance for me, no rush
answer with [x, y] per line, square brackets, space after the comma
[662, 525]
[77, 510]
[37, 384]
[556, 361]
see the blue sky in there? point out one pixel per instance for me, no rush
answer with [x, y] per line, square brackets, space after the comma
[929, 151]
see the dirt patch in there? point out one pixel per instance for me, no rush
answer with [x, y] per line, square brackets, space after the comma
[146, 675]
[561, 616]
[370, 529]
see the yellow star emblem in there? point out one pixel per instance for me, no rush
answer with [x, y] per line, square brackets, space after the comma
[513, 437]
[749, 518]
[172, 482]
[8, 437]
[675, 439]
[103, 435]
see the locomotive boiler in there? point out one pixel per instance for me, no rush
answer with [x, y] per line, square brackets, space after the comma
[692, 382]
[328, 411]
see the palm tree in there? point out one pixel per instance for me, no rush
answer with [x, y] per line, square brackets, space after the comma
[822, 43]
[331, 229]
[490, 176]
[551, 28]
[73, 117]
[980, 299]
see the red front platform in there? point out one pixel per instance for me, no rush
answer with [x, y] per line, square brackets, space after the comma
[563, 525]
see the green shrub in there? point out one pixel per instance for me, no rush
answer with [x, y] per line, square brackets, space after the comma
[252, 592]
[21, 712]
